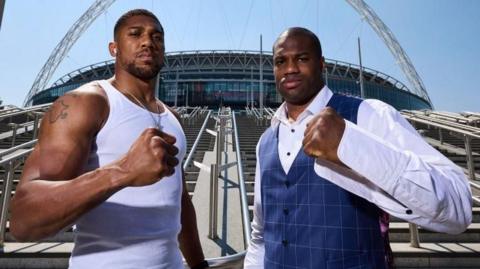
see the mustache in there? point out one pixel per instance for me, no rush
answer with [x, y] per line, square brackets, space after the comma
[146, 51]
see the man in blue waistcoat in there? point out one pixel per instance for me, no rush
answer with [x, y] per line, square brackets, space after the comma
[330, 165]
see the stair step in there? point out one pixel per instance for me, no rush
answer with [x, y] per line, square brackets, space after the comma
[429, 255]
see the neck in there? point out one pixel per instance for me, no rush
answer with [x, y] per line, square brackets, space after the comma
[144, 90]
[294, 110]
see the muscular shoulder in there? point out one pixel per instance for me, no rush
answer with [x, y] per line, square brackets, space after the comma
[85, 108]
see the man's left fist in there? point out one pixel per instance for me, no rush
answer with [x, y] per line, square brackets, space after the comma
[323, 135]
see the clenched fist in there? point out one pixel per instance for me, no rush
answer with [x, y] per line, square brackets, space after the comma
[323, 135]
[150, 158]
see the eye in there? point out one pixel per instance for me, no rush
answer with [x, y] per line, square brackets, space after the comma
[303, 59]
[279, 62]
[134, 33]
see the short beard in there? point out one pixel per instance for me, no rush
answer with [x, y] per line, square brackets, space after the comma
[143, 73]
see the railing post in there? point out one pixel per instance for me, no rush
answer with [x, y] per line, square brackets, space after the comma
[468, 150]
[414, 238]
[440, 136]
[7, 191]
[213, 212]
[35, 125]
[14, 134]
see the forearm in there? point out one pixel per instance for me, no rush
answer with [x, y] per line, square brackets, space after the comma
[41, 207]
[421, 179]
[188, 237]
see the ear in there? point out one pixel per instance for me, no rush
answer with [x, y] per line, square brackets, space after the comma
[322, 63]
[112, 48]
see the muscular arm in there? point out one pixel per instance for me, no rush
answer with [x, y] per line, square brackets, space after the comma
[188, 237]
[52, 193]
[54, 190]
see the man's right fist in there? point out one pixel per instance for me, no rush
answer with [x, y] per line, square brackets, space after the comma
[150, 158]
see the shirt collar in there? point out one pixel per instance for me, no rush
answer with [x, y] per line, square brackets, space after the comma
[319, 102]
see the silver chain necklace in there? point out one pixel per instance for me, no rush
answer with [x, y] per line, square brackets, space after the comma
[156, 121]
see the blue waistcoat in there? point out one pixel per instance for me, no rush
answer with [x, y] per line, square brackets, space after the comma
[310, 222]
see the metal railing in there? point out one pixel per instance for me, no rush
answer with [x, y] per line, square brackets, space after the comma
[20, 127]
[235, 260]
[443, 120]
[197, 140]
[26, 111]
[461, 131]
[243, 191]
[459, 118]
[11, 150]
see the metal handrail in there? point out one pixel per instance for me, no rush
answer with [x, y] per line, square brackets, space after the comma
[197, 140]
[418, 119]
[194, 112]
[437, 117]
[15, 157]
[470, 114]
[268, 112]
[243, 192]
[449, 116]
[21, 146]
[25, 111]
[256, 113]
[462, 126]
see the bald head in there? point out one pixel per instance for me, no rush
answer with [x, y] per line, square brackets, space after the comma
[303, 32]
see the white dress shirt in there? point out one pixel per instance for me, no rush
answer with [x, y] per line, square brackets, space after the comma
[390, 165]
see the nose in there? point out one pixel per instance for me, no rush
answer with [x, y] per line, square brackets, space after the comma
[292, 67]
[147, 41]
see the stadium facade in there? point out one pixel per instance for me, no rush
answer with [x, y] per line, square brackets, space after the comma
[232, 78]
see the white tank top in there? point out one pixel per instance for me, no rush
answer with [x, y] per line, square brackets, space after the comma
[137, 227]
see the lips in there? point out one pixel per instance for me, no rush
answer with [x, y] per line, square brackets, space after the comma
[145, 56]
[290, 83]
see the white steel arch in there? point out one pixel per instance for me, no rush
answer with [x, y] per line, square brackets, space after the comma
[391, 42]
[99, 6]
[64, 46]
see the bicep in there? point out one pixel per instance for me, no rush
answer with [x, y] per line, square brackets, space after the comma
[65, 138]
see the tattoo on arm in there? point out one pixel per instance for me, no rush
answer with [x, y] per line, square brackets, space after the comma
[59, 108]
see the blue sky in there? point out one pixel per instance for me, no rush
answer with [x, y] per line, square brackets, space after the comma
[441, 37]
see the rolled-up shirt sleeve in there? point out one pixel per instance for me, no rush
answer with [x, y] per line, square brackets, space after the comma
[398, 171]
[256, 248]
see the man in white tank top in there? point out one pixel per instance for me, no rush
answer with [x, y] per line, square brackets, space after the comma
[108, 160]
